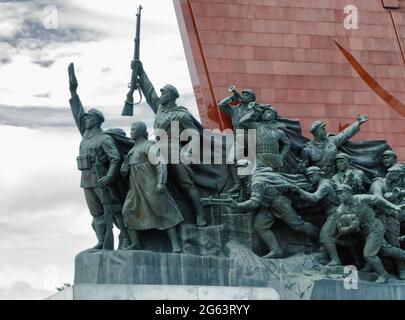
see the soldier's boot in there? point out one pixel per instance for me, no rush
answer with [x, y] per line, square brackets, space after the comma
[99, 228]
[270, 239]
[310, 230]
[194, 197]
[124, 239]
[401, 270]
[367, 268]
[135, 242]
[383, 276]
[333, 254]
[174, 240]
[322, 257]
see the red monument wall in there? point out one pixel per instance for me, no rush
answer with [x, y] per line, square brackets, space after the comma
[285, 51]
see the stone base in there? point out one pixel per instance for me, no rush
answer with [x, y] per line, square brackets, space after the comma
[296, 277]
[162, 292]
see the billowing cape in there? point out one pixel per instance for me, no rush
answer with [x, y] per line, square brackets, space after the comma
[365, 155]
[269, 177]
[209, 178]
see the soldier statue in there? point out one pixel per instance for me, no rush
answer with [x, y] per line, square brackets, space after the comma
[96, 144]
[166, 112]
[272, 144]
[148, 204]
[355, 178]
[358, 210]
[390, 188]
[322, 150]
[388, 158]
[272, 204]
[245, 105]
[325, 197]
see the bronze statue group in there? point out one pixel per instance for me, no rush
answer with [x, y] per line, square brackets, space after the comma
[357, 188]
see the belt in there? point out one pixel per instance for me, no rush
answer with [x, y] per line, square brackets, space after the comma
[266, 150]
[136, 163]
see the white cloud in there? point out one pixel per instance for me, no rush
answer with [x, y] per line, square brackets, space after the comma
[44, 220]
[25, 83]
[21, 290]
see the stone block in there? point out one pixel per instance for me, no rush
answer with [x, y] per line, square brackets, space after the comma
[206, 241]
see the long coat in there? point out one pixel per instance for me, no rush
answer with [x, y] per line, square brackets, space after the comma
[144, 208]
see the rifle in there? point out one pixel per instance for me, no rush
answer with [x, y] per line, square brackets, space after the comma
[128, 109]
[212, 201]
[108, 243]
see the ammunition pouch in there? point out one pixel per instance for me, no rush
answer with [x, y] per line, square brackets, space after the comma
[85, 162]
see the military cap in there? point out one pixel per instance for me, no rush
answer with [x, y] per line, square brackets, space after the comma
[389, 153]
[96, 113]
[343, 187]
[316, 125]
[342, 155]
[312, 170]
[250, 91]
[269, 108]
[171, 89]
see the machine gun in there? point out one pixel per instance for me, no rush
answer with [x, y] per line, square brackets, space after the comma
[212, 201]
[128, 109]
[108, 243]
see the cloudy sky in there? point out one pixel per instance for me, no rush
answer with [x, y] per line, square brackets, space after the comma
[44, 221]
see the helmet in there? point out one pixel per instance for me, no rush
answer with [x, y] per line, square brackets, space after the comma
[342, 155]
[316, 125]
[96, 113]
[171, 89]
[312, 170]
[251, 92]
[389, 153]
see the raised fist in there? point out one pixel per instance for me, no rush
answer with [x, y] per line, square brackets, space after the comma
[72, 78]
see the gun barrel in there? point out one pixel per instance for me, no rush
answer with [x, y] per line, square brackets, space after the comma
[128, 109]
[215, 201]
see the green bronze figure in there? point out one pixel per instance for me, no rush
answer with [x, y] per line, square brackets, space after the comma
[272, 204]
[346, 174]
[272, 144]
[391, 188]
[148, 204]
[325, 197]
[358, 210]
[166, 112]
[96, 144]
[322, 150]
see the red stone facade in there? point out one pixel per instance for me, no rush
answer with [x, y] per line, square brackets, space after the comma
[285, 51]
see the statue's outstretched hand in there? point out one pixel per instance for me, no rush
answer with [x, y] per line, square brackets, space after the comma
[362, 118]
[72, 78]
